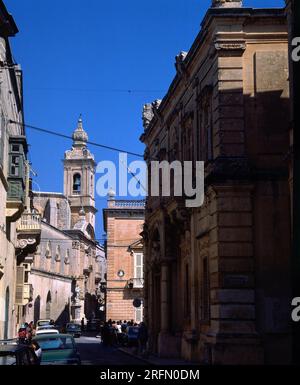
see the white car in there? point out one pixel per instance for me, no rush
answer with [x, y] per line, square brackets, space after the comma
[46, 331]
[43, 322]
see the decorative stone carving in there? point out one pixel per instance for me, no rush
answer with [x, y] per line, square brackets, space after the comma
[227, 4]
[23, 243]
[149, 111]
[147, 115]
[57, 254]
[230, 45]
[79, 135]
[75, 245]
[77, 295]
[179, 63]
[156, 104]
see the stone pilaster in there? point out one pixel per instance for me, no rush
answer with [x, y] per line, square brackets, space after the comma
[232, 336]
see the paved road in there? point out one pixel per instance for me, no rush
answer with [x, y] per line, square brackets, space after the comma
[93, 352]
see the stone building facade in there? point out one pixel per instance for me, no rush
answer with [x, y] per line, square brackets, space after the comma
[217, 277]
[69, 265]
[290, 12]
[19, 227]
[123, 224]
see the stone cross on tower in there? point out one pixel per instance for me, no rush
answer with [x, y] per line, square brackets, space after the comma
[227, 4]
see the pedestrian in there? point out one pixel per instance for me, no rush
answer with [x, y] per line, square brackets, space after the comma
[37, 349]
[142, 338]
[82, 324]
[124, 326]
[105, 334]
[22, 335]
[29, 331]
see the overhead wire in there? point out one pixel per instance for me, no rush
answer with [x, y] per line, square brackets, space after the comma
[50, 132]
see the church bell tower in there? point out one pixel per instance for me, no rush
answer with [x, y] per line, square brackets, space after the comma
[79, 178]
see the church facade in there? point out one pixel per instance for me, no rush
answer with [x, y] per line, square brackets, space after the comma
[67, 270]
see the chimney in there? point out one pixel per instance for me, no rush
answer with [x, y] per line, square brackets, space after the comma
[227, 4]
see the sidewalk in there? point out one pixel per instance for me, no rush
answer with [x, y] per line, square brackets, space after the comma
[156, 361]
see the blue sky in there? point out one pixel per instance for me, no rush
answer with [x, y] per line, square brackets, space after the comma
[82, 56]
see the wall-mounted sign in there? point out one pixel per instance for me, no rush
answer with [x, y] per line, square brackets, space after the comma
[137, 302]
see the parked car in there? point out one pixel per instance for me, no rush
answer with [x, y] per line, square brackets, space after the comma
[15, 354]
[73, 329]
[46, 331]
[132, 336]
[43, 322]
[58, 349]
[46, 327]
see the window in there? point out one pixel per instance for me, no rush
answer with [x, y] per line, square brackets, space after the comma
[14, 165]
[15, 148]
[138, 270]
[76, 183]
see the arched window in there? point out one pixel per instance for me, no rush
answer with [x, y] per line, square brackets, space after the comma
[76, 183]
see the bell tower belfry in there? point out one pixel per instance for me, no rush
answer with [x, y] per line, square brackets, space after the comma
[79, 178]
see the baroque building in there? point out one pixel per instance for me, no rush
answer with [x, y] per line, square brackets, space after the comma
[217, 277]
[19, 226]
[69, 265]
[123, 224]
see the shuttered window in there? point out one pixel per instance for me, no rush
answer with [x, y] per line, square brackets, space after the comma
[20, 285]
[138, 264]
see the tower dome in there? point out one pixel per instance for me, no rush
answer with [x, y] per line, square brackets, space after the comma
[80, 137]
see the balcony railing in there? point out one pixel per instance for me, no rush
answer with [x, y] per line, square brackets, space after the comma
[135, 283]
[29, 222]
[127, 204]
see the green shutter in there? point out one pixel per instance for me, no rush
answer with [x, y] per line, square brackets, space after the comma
[20, 285]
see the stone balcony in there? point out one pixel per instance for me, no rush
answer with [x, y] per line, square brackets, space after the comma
[28, 233]
[135, 283]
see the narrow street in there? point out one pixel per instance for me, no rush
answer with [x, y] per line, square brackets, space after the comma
[93, 352]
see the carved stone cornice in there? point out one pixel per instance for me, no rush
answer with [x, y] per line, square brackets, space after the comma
[230, 45]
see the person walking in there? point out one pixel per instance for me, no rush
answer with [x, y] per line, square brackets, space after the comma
[105, 336]
[142, 338]
[82, 324]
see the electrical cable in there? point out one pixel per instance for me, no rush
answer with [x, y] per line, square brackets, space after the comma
[70, 137]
